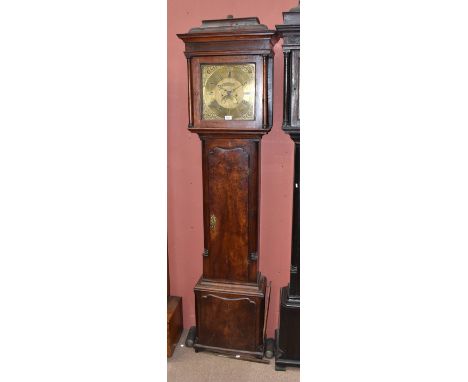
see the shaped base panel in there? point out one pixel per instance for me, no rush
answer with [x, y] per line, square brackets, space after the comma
[230, 317]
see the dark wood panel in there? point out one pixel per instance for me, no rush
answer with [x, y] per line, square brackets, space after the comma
[228, 188]
[226, 321]
[231, 174]
[294, 286]
[289, 328]
[230, 316]
[174, 322]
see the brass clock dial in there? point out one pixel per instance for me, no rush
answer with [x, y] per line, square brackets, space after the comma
[228, 91]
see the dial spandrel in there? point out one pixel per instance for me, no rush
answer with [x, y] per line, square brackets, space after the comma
[228, 91]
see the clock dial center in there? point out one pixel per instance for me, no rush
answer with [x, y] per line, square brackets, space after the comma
[228, 91]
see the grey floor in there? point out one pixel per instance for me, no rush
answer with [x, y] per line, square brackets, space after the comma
[187, 366]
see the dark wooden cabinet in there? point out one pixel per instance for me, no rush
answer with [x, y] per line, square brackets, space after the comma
[174, 323]
[288, 334]
[230, 71]
[174, 318]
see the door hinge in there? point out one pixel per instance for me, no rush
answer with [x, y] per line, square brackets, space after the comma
[205, 252]
[253, 256]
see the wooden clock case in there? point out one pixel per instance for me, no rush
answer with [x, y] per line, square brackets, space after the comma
[287, 352]
[230, 295]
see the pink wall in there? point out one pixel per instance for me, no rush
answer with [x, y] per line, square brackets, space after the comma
[185, 230]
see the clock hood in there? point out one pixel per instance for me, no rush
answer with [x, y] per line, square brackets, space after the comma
[230, 29]
[230, 24]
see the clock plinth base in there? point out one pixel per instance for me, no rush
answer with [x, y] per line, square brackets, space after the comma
[230, 317]
[287, 336]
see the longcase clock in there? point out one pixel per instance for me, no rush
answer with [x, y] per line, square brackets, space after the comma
[230, 71]
[287, 350]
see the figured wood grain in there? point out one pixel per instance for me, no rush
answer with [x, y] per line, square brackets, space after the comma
[231, 182]
[228, 203]
[230, 317]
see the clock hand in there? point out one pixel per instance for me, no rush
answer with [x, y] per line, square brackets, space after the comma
[223, 88]
[238, 87]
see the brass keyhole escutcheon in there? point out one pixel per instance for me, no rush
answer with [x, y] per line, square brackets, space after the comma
[212, 222]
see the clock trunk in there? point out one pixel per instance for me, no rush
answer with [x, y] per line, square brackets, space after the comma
[230, 176]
